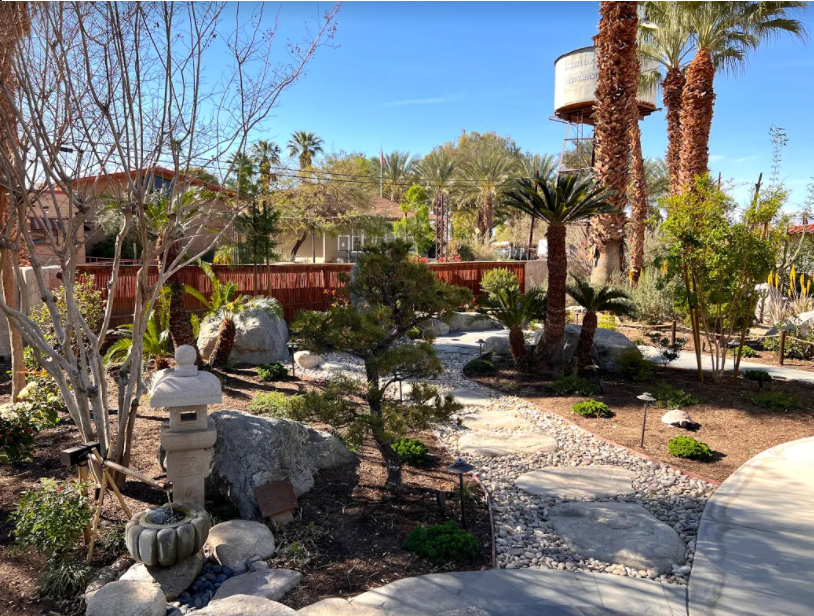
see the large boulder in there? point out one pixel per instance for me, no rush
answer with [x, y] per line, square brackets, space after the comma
[251, 451]
[260, 338]
[499, 345]
[470, 322]
[607, 346]
[433, 328]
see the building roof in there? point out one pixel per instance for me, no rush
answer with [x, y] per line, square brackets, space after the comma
[380, 206]
[798, 229]
[162, 172]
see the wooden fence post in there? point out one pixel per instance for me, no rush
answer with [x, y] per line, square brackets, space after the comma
[673, 333]
[782, 345]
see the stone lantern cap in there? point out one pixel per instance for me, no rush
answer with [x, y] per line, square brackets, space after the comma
[185, 386]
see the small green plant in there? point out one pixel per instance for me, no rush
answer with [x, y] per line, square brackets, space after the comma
[17, 432]
[633, 366]
[775, 400]
[274, 403]
[759, 376]
[638, 341]
[797, 346]
[573, 385]
[498, 280]
[479, 366]
[64, 578]
[272, 372]
[414, 333]
[113, 540]
[668, 350]
[670, 397]
[606, 321]
[411, 451]
[747, 352]
[442, 543]
[592, 408]
[690, 449]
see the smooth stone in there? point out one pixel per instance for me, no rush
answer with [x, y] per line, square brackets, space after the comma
[244, 605]
[679, 419]
[232, 542]
[485, 420]
[579, 482]
[606, 347]
[127, 598]
[173, 580]
[470, 397]
[307, 360]
[270, 584]
[487, 444]
[336, 366]
[623, 533]
[259, 338]
[339, 607]
[499, 345]
[464, 611]
[433, 328]
[258, 565]
[470, 322]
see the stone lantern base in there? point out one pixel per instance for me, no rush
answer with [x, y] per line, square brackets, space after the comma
[189, 455]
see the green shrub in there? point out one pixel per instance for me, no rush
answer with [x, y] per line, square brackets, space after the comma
[51, 516]
[442, 543]
[411, 451]
[274, 403]
[775, 400]
[498, 280]
[414, 333]
[113, 540]
[687, 447]
[759, 376]
[479, 366]
[653, 298]
[797, 346]
[606, 321]
[748, 352]
[633, 366]
[272, 372]
[64, 578]
[17, 432]
[673, 398]
[592, 408]
[573, 385]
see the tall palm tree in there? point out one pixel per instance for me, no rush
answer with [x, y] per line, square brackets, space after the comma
[595, 299]
[436, 170]
[483, 178]
[639, 206]
[397, 173]
[559, 203]
[305, 145]
[725, 33]
[265, 154]
[614, 115]
[665, 37]
[515, 310]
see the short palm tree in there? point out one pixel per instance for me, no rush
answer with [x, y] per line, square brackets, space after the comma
[724, 33]
[595, 299]
[265, 154]
[157, 340]
[567, 200]
[226, 334]
[515, 310]
[484, 177]
[305, 146]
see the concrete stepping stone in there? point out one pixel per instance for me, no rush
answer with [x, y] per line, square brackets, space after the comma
[339, 607]
[470, 397]
[485, 420]
[244, 605]
[270, 584]
[489, 444]
[623, 533]
[580, 482]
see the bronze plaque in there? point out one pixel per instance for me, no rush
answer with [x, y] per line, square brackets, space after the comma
[275, 497]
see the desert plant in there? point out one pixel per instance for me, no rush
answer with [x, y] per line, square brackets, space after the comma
[515, 311]
[633, 366]
[672, 397]
[775, 400]
[442, 543]
[479, 366]
[571, 384]
[64, 578]
[758, 376]
[272, 372]
[499, 279]
[411, 451]
[274, 403]
[157, 340]
[606, 321]
[592, 408]
[668, 350]
[689, 448]
[653, 298]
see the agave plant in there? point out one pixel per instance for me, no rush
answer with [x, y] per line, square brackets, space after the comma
[515, 311]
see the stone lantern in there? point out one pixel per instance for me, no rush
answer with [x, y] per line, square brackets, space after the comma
[190, 435]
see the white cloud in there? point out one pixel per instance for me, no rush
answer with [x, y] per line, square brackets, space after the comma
[437, 100]
[716, 157]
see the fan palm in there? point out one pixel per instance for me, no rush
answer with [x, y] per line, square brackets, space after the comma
[304, 145]
[265, 154]
[724, 34]
[399, 167]
[614, 115]
[595, 299]
[567, 200]
[515, 311]
[485, 175]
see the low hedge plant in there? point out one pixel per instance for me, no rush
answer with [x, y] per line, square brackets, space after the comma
[690, 449]
[592, 408]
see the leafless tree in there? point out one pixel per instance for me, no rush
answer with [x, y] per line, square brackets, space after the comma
[97, 89]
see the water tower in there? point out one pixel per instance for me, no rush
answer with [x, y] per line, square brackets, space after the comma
[575, 76]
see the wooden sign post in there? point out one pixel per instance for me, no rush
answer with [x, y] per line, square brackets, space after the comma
[277, 501]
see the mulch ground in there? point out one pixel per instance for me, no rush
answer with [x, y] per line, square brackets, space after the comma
[731, 425]
[347, 533]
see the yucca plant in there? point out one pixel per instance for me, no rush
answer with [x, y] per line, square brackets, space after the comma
[515, 311]
[595, 299]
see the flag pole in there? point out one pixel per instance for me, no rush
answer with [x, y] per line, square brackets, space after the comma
[381, 172]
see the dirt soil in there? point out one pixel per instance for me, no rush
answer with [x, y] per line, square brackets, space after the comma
[731, 425]
[360, 525]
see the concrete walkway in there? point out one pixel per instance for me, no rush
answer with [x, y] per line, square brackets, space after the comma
[755, 550]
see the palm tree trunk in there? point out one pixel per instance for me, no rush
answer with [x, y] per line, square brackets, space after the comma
[557, 276]
[180, 325]
[517, 344]
[672, 91]
[586, 339]
[614, 114]
[697, 105]
[638, 205]
[223, 347]
[488, 217]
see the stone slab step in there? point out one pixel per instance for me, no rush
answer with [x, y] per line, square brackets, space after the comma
[490, 444]
[578, 482]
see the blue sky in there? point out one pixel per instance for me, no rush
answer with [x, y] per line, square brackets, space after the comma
[410, 76]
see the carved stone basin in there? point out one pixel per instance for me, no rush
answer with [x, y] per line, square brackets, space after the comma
[166, 535]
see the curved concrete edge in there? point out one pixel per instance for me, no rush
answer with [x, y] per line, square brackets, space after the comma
[530, 592]
[755, 544]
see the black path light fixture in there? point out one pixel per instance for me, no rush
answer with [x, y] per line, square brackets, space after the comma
[647, 398]
[399, 378]
[480, 347]
[461, 468]
[291, 348]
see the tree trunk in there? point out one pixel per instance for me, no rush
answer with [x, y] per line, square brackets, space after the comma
[15, 338]
[488, 218]
[672, 91]
[697, 105]
[297, 245]
[557, 276]
[180, 325]
[377, 428]
[609, 259]
[638, 205]
[586, 339]
[393, 463]
[223, 347]
[517, 343]
[614, 115]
